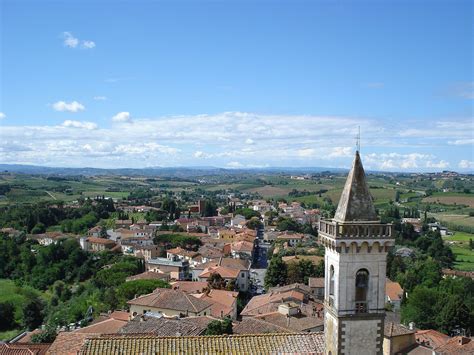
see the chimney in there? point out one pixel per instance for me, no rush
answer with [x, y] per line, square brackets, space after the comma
[288, 320]
[411, 326]
[463, 340]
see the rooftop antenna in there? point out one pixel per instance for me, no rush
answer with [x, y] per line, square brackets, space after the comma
[358, 141]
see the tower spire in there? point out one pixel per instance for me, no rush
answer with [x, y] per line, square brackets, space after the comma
[356, 203]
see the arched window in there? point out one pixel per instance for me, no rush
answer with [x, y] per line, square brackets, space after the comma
[361, 290]
[331, 281]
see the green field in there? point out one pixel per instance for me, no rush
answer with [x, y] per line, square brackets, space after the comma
[464, 258]
[459, 243]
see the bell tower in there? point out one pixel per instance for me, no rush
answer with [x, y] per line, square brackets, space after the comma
[356, 245]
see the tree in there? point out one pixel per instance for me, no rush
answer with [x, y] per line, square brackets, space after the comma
[33, 313]
[454, 315]
[422, 308]
[277, 273]
[254, 223]
[217, 327]
[7, 315]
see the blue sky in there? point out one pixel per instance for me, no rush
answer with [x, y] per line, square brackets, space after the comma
[237, 83]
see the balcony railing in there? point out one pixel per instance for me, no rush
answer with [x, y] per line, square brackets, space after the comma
[347, 231]
[361, 307]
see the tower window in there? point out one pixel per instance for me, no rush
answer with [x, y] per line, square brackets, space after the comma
[361, 290]
[331, 281]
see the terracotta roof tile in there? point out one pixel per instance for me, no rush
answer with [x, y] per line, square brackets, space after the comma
[149, 275]
[167, 327]
[316, 282]
[189, 286]
[307, 343]
[68, 343]
[253, 325]
[431, 338]
[23, 349]
[393, 290]
[456, 345]
[171, 299]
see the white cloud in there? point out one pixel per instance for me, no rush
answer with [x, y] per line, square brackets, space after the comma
[100, 98]
[466, 164]
[223, 138]
[73, 106]
[121, 117]
[88, 44]
[79, 124]
[234, 164]
[341, 152]
[2, 116]
[199, 154]
[462, 141]
[73, 42]
[306, 152]
[69, 40]
[442, 164]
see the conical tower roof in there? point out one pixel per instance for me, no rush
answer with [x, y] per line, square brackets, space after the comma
[356, 203]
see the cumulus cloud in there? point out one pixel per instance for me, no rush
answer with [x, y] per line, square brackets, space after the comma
[88, 44]
[2, 116]
[224, 138]
[100, 98]
[442, 164]
[79, 124]
[73, 42]
[121, 117]
[466, 164]
[341, 152]
[234, 164]
[73, 106]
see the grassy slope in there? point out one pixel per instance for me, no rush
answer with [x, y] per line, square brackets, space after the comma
[459, 243]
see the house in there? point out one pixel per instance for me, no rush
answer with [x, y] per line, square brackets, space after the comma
[238, 221]
[299, 311]
[95, 232]
[290, 239]
[146, 252]
[239, 277]
[431, 338]
[48, 238]
[240, 264]
[169, 303]
[224, 303]
[397, 339]
[252, 325]
[123, 223]
[177, 269]
[316, 284]
[456, 345]
[97, 244]
[242, 250]
[393, 294]
[181, 254]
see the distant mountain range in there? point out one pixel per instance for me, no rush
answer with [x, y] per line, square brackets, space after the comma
[182, 172]
[158, 171]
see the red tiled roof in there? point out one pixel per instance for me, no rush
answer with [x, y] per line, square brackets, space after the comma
[225, 272]
[431, 338]
[171, 299]
[108, 326]
[316, 282]
[393, 290]
[189, 286]
[23, 349]
[68, 343]
[456, 345]
[100, 241]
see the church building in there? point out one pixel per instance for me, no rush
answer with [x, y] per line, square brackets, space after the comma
[356, 245]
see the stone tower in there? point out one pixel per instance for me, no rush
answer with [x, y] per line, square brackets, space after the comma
[356, 246]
